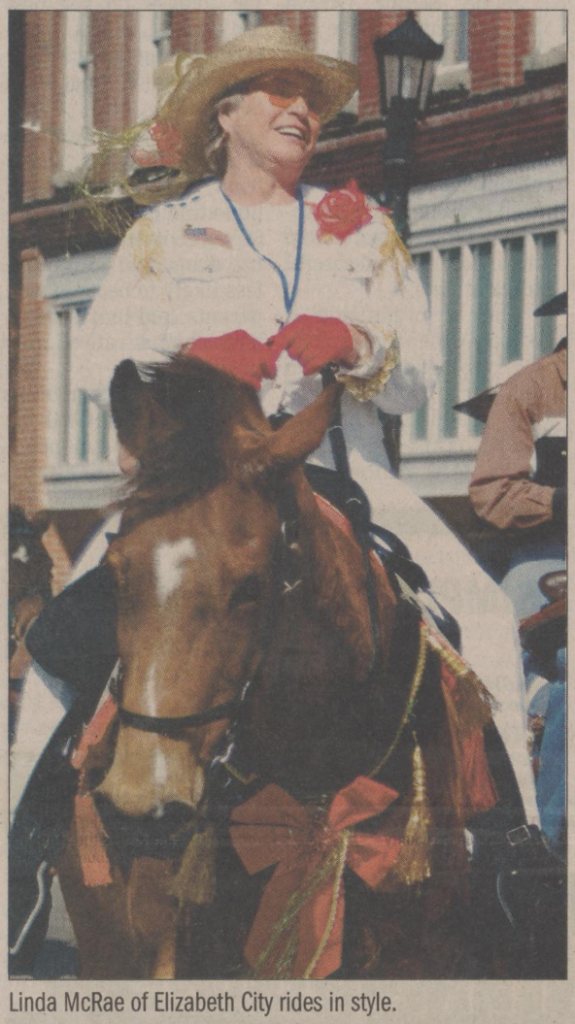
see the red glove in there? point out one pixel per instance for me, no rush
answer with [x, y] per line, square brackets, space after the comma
[236, 353]
[315, 341]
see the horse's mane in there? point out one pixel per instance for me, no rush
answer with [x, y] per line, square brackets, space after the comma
[196, 406]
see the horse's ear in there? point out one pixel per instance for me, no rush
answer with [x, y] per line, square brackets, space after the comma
[290, 446]
[137, 416]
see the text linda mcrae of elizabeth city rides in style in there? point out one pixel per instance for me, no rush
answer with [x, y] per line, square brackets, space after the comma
[169, 1001]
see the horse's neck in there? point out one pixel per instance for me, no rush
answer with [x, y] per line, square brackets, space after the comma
[337, 574]
[313, 709]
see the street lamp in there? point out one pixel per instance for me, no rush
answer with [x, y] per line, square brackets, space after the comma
[406, 59]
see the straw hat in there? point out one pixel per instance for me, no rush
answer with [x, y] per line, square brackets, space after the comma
[189, 85]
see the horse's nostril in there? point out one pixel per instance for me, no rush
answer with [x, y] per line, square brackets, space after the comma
[161, 832]
[173, 815]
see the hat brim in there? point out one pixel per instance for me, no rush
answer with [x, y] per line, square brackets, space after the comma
[557, 306]
[189, 107]
[479, 406]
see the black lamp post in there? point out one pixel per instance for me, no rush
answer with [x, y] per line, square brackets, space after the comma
[406, 59]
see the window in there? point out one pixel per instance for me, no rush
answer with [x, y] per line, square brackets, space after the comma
[81, 441]
[154, 47]
[78, 89]
[482, 301]
[162, 34]
[336, 35]
[454, 36]
[233, 23]
[549, 40]
[83, 430]
[450, 336]
[550, 30]
[488, 249]
[451, 29]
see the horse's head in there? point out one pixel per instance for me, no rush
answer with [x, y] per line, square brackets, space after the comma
[194, 565]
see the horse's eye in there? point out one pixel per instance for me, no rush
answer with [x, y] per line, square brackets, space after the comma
[246, 592]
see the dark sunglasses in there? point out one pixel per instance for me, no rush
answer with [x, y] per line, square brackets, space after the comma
[282, 91]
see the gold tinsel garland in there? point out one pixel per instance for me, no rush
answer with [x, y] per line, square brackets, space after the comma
[394, 251]
[364, 389]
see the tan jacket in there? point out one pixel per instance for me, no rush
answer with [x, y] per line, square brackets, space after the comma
[531, 405]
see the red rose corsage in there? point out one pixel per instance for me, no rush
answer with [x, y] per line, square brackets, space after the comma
[167, 149]
[341, 212]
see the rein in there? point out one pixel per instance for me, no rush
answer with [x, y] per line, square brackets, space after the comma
[358, 514]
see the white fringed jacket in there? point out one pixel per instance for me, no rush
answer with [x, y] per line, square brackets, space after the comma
[185, 270]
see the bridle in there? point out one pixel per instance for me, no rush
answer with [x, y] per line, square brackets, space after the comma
[287, 581]
[171, 726]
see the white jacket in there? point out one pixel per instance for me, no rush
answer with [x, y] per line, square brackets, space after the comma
[184, 270]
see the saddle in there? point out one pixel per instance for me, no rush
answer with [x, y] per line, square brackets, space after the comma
[407, 578]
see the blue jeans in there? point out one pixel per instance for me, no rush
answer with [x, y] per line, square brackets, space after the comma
[521, 584]
[550, 786]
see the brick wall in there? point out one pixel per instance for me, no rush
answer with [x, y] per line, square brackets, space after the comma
[130, 70]
[29, 456]
[299, 21]
[193, 31]
[498, 40]
[511, 131]
[111, 38]
[42, 102]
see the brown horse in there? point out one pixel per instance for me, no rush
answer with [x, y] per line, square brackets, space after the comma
[243, 614]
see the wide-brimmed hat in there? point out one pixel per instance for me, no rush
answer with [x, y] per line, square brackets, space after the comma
[196, 82]
[557, 306]
[479, 406]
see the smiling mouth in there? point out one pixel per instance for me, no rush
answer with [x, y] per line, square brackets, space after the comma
[294, 131]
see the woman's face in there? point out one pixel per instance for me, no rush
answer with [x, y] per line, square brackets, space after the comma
[276, 122]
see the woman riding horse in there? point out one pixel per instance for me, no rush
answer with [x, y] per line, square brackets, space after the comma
[270, 280]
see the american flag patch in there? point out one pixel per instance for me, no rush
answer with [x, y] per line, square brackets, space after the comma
[210, 235]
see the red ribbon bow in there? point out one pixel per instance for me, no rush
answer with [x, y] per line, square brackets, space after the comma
[310, 853]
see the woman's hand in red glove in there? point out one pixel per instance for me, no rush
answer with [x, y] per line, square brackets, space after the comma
[315, 341]
[236, 353]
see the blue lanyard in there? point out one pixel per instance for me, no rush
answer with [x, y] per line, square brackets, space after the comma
[289, 297]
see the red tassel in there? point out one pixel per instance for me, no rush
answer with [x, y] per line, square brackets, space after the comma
[90, 832]
[94, 731]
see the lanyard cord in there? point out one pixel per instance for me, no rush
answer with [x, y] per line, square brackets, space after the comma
[289, 297]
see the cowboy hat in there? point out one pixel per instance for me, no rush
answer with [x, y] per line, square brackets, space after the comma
[557, 306]
[199, 81]
[479, 406]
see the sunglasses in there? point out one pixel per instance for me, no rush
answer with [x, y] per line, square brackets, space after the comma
[282, 92]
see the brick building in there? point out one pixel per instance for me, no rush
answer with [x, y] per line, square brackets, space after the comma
[487, 209]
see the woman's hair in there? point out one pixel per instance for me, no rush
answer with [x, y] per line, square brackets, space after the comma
[216, 150]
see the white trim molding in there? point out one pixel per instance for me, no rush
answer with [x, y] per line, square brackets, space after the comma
[489, 248]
